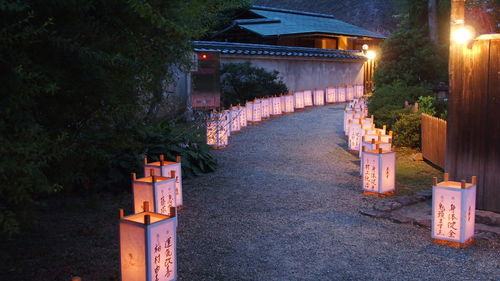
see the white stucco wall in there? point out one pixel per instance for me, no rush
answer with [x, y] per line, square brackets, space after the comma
[302, 73]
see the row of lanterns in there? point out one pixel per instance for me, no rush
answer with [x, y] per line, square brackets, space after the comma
[222, 124]
[453, 203]
[148, 237]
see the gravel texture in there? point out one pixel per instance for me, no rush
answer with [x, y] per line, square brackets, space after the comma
[284, 205]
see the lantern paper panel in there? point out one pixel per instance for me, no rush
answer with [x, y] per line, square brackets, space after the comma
[308, 99]
[330, 96]
[255, 112]
[298, 100]
[453, 212]
[319, 97]
[282, 101]
[348, 115]
[371, 145]
[360, 90]
[148, 249]
[341, 94]
[165, 169]
[217, 133]
[289, 103]
[242, 112]
[227, 124]
[276, 106]
[265, 108]
[160, 191]
[235, 120]
[354, 136]
[379, 172]
[350, 92]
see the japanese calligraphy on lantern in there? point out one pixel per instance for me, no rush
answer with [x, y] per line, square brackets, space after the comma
[453, 211]
[163, 252]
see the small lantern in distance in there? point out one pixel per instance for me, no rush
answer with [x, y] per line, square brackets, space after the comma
[276, 106]
[379, 172]
[255, 116]
[341, 94]
[165, 169]
[289, 104]
[265, 113]
[319, 97]
[235, 120]
[331, 95]
[148, 243]
[298, 100]
[308, 99]
[453, 212]
[243, 116]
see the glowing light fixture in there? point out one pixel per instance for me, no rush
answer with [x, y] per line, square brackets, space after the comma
[371, 55]
[463, 35]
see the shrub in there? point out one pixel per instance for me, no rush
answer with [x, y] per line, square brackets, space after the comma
[407, 130]
[426, 105]
[388, 115]
[396, 94]
[242, 82]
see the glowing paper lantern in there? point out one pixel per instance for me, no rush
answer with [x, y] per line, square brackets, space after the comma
[331, 95]
[265, 105]
[165, 169]
[350, 92]
[276, 106]
[148, 243]
[235, 120]
[354, 135]
[217, 131]
[341, 94]
[227, 123]
[360, 90]
[160, 191]
[379, 172]
[255, 116]
[308, 98]
[453, 212]
[289, 102]
[298, 100]
[243, 116]
[319, 97]
[372, 144]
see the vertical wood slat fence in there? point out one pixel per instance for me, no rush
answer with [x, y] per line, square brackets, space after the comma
[433, 139]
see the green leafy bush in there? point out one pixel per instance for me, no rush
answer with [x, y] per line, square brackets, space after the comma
[426, 105]
[242, 82]
[388, 115]
[407, 130]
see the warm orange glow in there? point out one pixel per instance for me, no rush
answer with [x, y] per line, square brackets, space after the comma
[365, 47]
[371, 55]
[204, 56]
[463, 35]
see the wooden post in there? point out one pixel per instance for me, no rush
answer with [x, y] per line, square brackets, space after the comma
[455, 70]
[434, 181]
[145, 206]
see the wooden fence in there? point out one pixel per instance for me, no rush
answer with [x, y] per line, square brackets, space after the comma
[434, 139]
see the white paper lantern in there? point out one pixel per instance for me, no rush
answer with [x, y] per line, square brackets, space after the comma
[371, 144]
[298, 100]
[165, 168]
[348, 115]
[350, 92]
[235, 119]
[360, 90]
[226, 113]
[289, 104]
[354, 137]
[158, 190]
[255, 116]
[319, 97]
[379, 172]
[265, 104]
[341, 94]
[148, 247]
[453, 212]
[243, 116]
[331, 95]
[308, 98]
[276, 106]
[217, 131]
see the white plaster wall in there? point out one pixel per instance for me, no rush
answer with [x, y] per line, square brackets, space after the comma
[306, 73]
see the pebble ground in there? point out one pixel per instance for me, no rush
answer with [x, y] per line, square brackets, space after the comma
[284, 205]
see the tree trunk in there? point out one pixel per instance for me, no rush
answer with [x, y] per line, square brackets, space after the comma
[433, 21]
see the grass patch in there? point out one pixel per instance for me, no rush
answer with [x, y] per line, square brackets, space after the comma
[413, 176]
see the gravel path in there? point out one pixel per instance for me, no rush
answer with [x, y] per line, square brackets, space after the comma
[283, 205]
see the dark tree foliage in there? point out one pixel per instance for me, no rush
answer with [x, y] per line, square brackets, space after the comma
[81, 81]
[242, 82]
